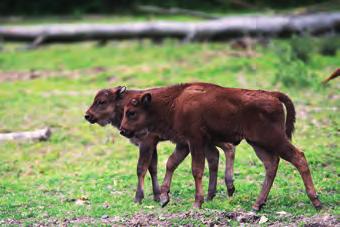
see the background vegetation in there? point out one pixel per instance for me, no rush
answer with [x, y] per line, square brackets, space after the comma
[77, 7]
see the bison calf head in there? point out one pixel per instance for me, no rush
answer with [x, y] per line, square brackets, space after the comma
[135, 118]
[104, 109]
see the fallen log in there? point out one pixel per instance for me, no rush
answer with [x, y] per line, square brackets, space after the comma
[214, 30]
[40, 134]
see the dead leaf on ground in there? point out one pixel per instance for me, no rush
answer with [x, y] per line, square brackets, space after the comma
[79, 201]
[263, 219]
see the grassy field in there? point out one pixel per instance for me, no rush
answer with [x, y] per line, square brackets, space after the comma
[88, 172]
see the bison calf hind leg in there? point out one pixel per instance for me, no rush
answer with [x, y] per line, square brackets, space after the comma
[229, 151]
[291, 154]
[212, 156]
[197, 150]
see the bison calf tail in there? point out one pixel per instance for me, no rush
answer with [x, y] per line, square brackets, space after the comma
[290, 119]
[334, 75]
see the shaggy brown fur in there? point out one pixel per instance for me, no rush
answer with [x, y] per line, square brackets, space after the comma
[107, 108]
[201, 114]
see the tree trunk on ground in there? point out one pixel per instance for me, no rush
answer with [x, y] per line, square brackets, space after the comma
[214, 30]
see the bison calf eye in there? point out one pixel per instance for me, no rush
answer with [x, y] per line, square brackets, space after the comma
[101, 102]
[131, 114]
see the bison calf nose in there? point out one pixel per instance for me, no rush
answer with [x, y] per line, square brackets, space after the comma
[87, 117]
[126, 133]
[90, 118]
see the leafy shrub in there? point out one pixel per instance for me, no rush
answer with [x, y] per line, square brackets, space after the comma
[329, 45]
[60, 7]
[291, 71]
[302, 47]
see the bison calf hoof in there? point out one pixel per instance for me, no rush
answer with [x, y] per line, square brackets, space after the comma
[317, 205]
[164, 199]
[138, 200]
[139, 197]
[156, 197]
[210, 196]
[197, 205]
[231, 191]
[257, 208]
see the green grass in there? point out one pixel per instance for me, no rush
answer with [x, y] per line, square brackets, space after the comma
[41, 180]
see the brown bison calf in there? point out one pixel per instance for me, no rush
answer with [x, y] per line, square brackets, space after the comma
[201, 114]
[107, 108]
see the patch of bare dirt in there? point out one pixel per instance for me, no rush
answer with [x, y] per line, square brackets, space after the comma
[325, 220]
[189, 218]
[33, 74]
[319, 221]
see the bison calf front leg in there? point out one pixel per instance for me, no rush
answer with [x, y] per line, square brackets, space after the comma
[180, 153]
[153, 174]
[145, 157]
[271, 164]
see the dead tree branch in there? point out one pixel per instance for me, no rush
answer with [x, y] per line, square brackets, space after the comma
[40, 134]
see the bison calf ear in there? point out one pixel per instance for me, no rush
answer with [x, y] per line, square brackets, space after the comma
[146, 99]
[120, 91]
